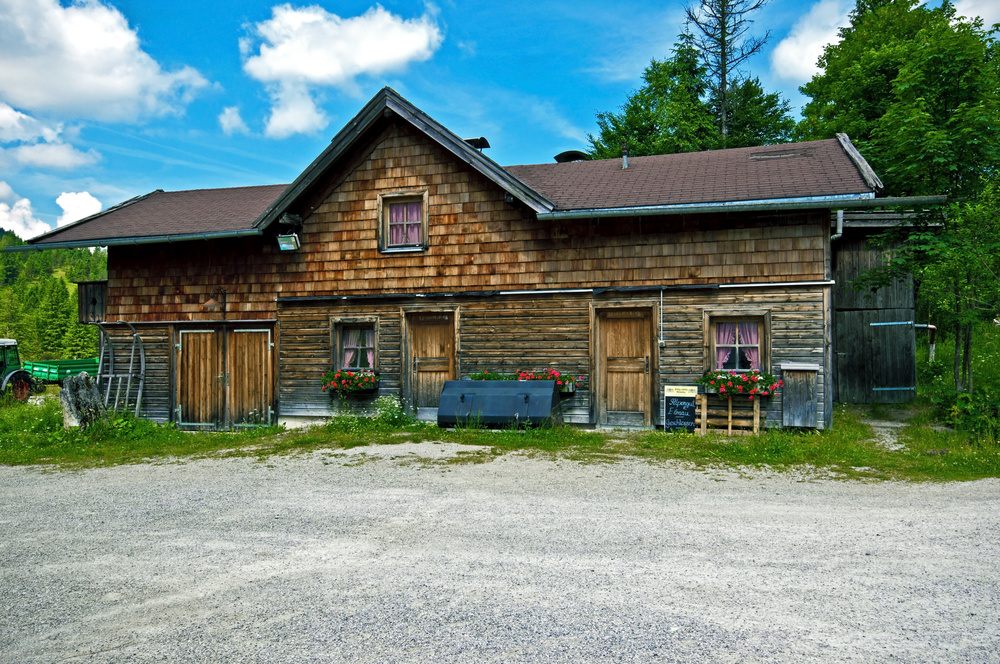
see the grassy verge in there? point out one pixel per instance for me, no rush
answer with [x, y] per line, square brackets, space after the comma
[33, 434]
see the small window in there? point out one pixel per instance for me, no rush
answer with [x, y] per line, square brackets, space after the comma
[357, 347]
[403, 225]
[737, 346]
[737, 340]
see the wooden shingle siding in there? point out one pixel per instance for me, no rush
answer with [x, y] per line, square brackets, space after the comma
[477, 242]
[479, 245]
[171, 282]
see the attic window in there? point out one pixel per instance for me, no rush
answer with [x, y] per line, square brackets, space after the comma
[780, 154]
[402, 221]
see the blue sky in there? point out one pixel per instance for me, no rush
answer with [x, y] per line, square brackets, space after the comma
[103, 100]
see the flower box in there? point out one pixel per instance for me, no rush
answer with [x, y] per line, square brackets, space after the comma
[567, 384]
[343, 383]
[731, 384]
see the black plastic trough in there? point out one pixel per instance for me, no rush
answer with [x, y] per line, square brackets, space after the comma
[497, 404]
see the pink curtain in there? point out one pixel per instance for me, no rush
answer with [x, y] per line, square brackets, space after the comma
[351, 338]
[370, 344]
[397, 224]
[725, 335]
[749, 336]
[413, 223]
[404, 223]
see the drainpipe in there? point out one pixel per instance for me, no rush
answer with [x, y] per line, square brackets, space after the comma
[840, 227]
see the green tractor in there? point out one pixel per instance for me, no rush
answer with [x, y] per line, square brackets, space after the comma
[15, 380]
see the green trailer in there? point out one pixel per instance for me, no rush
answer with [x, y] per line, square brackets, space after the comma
[55, 371]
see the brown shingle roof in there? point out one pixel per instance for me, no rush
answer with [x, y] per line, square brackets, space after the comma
[815, 168]
[173, 213]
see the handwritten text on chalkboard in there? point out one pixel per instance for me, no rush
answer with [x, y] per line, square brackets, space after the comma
[679, 408]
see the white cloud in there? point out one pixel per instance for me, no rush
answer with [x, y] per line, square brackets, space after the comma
[795, 56]
[988, 10]
[17, 216]
[53, 155]
[302, 49]
[545, 114]
[294, 112]
[84, 61]
[76, 206]
[26, 132]
[16, 126]
[231, 121]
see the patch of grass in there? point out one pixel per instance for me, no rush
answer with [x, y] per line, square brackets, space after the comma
[33, 434]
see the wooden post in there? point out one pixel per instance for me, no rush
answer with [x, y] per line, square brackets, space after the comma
[756, 416]
[704, 413]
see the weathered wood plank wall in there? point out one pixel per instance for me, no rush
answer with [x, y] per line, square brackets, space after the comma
[510, 333]
[157, 398]
[869, 359]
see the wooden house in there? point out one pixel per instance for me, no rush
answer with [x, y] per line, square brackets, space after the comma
[410, 251]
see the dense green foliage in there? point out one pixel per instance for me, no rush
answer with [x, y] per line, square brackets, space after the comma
[918, 92]
[38, 305]
[676, 110]
[976, 413]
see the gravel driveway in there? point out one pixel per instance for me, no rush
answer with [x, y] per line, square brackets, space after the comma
[392, 554]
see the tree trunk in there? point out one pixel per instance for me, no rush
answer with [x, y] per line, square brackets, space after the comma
[957, 366]
[967, 358]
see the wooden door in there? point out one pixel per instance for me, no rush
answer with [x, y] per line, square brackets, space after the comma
[200, 379]
[432, 358]
[623, 362]
[224, 378]
[248, 361]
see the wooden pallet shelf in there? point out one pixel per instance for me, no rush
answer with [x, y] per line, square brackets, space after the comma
[734, 417]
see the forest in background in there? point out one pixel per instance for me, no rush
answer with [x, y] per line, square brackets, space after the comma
[38, 303]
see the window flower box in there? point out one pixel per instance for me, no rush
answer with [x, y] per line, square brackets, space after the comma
[750, 384]
[342, 383]
[567, 384]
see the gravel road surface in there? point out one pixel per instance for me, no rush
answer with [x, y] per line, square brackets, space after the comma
[393, 554]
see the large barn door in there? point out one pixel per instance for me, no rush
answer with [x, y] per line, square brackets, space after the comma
[432, 358]
[623, 367]
[248, 358]
[224, 378]
[875, 356]
[200, 379]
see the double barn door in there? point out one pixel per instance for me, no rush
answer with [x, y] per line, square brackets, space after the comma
[224, 378]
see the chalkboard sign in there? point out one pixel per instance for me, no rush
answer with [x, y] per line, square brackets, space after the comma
[679, 407]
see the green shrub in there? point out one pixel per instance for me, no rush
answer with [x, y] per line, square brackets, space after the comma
[389, 411]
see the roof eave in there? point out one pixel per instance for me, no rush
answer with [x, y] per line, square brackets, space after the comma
[801, 203]
[132, 241]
